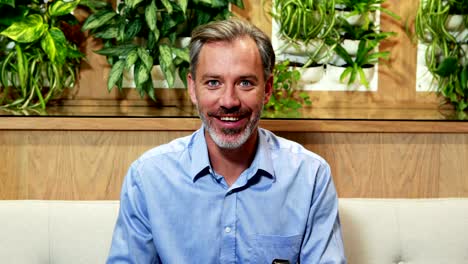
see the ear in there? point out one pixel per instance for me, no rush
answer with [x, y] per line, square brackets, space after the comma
[268, 89]
[191, 89]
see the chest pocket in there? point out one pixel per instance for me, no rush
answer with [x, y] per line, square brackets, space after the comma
[267, 248]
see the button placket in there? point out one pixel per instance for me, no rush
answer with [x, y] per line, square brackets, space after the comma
[228, 220]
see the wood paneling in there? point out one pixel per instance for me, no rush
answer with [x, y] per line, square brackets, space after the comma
[393, 165]
[90, 165]
[70, 165]
[192, 123]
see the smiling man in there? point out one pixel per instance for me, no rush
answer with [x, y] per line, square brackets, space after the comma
[231, 192]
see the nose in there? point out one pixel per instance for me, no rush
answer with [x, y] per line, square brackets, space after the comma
[230, 98]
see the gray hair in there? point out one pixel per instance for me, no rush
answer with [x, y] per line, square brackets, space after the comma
[230, 30]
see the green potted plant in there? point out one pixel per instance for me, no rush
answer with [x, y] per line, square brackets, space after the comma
[300, 29]
[285, 96]
[38, 58]
[361, 12]
[303, 21]
[355, 42]
[444, 44]
[143, 33]
[358, 69]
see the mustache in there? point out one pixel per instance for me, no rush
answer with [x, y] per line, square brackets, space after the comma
[229, 111]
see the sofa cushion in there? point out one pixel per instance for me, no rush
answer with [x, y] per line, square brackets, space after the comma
[416, 231]
[24, 234]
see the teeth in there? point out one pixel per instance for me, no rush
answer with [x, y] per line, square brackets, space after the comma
[226, 118]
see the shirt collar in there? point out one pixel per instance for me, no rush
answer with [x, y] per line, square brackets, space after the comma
[201, 166]
[262, 162]
[198, 151]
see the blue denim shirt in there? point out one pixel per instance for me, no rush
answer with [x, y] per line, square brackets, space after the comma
[176, 209]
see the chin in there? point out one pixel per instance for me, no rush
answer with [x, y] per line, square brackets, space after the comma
[230, 141]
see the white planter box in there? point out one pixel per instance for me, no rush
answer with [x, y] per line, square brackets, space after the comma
[333, 74]
[311, 75]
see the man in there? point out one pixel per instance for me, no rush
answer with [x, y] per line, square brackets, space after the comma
[231, 192]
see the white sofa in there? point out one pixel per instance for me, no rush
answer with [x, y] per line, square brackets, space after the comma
[416, 231]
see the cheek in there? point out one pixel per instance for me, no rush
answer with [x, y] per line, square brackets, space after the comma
[206, 101]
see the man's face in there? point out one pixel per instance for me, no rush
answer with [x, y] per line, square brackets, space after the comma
[229, 90]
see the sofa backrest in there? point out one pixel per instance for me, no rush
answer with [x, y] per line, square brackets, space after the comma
[416, 231]
[56, 232]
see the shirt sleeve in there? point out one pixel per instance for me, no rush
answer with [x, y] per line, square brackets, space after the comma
[132, 241]
[323, 241]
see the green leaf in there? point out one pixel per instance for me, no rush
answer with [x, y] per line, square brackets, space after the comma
[48, 45]
[131, 59]
[145, 58]
[141, 74]
[28, 30]
[183, 5]
[132, 29]
[150, 15]
[61, 44]
[122, 50]
[74, 54]
[95, 5]
[340, 51]
[182, 53]
[345, 74]
[167, 66]
[448, 67]
[183, 71]
[148, 87]
[60, 7]
[132, 3]
[98, 19]
[362, 77]
[116, 73]
[8, 2]
[167, 4]
[464, 77]
[108, 33]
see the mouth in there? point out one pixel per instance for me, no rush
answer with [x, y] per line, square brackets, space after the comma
[229, 118]
[231, 122]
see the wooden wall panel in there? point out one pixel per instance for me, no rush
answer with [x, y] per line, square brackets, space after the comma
[90, 165]
[393, 165]
[71, 165]
[453, 165]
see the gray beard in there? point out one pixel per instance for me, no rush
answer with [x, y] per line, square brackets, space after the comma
[230, 144]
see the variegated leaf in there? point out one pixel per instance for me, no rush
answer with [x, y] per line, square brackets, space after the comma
[145, 58]
[115, 74]
[150, 15]
[98, 19]
[60, 7]
[30, 29]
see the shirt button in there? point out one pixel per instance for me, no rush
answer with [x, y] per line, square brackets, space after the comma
[227, 229]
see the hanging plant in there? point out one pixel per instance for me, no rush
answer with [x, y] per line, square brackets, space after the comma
[446, 46]
[143, 33]
[285, 96]
[38, 58]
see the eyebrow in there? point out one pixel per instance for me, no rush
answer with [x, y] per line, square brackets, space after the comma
[210, 76]
[217, 76]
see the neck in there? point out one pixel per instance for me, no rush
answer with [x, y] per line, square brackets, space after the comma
[230, 163]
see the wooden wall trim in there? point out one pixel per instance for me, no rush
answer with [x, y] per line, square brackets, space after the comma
[192, 123]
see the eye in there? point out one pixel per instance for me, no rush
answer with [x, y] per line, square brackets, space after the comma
[213, 83]
[246, 83]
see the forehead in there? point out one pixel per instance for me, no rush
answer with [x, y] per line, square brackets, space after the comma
[240, 54]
